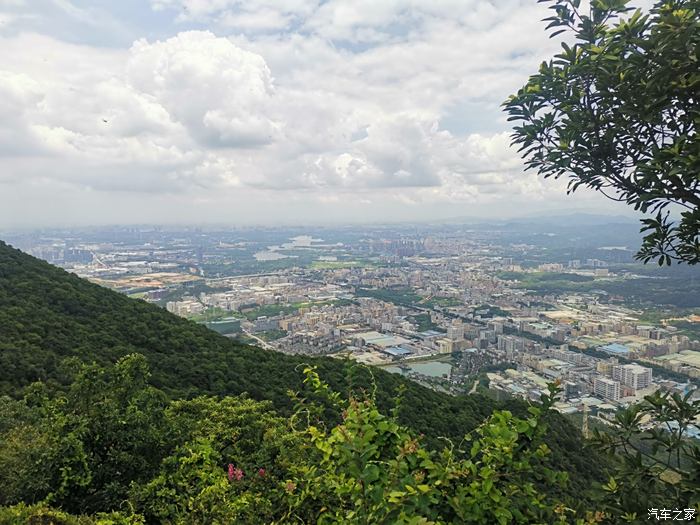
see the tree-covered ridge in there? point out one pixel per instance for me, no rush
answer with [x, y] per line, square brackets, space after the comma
[113, 449]
[50, 319]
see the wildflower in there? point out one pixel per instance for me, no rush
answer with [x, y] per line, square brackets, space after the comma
[261, 472]
[234, 473]
[290, 486]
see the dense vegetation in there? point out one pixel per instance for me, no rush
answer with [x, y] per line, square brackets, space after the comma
[111, 449]
[112, 441]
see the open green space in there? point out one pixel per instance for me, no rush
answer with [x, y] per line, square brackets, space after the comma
[399, 296]
[424, 323]
[445, 302]
[272, 335]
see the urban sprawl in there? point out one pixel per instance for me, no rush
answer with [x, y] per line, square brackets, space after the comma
[451, 311]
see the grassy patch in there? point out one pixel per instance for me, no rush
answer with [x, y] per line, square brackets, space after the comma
[400, 296]
[424, 323]
[211, 314]
[272, 335]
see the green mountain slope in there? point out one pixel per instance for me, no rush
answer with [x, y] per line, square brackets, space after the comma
[48, 315]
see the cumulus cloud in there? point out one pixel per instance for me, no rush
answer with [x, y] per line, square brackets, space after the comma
[305, 99]
[19, 94]
[220, 92]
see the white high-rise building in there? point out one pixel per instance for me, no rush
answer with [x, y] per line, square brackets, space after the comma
[633, 375]
[606, 388]
[510, 343]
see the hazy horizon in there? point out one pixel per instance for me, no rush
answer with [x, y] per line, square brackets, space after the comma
[628, 218]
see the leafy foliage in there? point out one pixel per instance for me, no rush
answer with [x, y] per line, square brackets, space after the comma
[235, 460]
[654, 463]
[83, 448]
[373, 470]
[617, 112]
[113, 447]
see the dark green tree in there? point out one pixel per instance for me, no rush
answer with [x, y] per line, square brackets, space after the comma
[618, 111]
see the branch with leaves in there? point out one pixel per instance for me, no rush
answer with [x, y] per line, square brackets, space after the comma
[655, 461]
[617, 111]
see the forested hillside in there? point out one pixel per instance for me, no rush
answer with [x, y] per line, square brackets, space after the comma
[113, 450]
[51, 321]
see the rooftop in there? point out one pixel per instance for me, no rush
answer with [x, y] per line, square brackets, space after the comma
[615, 348]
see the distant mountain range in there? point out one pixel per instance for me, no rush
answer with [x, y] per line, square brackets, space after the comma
[558, 218]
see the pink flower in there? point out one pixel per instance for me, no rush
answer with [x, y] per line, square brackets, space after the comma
[261, 472]
[234, 473]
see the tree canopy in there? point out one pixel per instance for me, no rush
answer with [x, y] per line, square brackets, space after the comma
[112, 450]
[618, 111]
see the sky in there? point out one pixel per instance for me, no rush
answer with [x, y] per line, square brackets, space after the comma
[267, 111]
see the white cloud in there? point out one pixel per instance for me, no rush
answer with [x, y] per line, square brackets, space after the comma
[252, 15]
[220, 92]
[202, 107]
[282, 109]
[18, 95]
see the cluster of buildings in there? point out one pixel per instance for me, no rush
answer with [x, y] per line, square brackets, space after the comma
[467, 305]
[603, 383]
